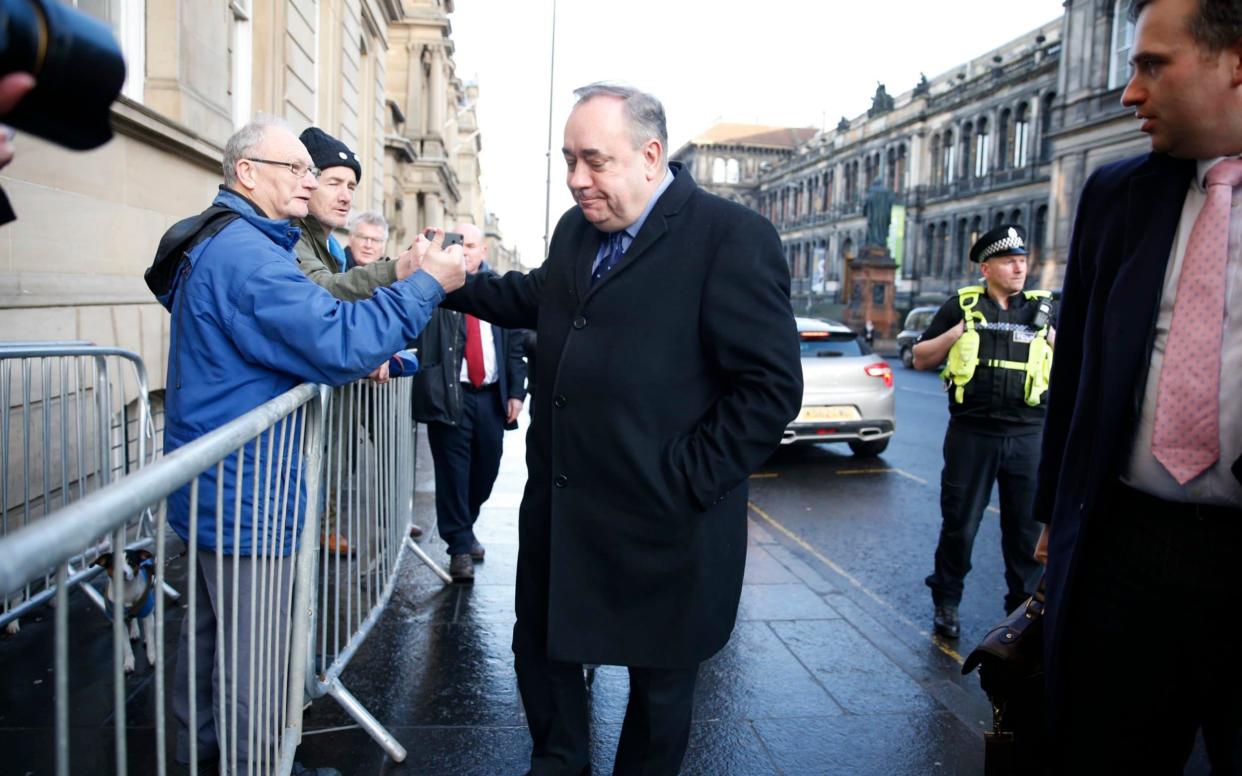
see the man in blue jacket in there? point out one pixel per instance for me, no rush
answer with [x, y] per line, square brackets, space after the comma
[247, 326]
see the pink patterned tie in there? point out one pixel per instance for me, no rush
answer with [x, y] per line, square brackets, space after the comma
[1187, 434]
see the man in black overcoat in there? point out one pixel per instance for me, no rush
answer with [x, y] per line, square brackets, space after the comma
[668, 369]
[1141, 472]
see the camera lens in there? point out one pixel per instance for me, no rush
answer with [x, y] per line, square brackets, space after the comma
[78, 66]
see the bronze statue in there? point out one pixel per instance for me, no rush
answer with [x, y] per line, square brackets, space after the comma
[879, 212]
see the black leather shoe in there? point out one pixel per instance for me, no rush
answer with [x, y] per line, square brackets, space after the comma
[477, 552]
[415, 532]
[946, 621]
[461, 569]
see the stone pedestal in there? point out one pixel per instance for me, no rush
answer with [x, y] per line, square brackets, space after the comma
[869, 287]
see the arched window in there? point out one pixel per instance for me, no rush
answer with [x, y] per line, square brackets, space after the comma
[890, 171]
[899, 174]
[1004, 138]
[718, 170]
[944, 248]
[983, 149]
[847, 248]
[976, 231]
[1015, 217]
[998, 219]
[1021, 135]
[948, 153]
[929, 248]
[961, 252]
[937, 168]
[828, 184]
[1123, 41]
[733, 171]
[1045, 126]
[968, 148]
[1039, 235]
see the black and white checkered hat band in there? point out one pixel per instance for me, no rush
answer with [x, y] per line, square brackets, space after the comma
[1007, 244]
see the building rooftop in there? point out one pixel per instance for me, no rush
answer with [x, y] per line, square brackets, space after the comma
[755, 135]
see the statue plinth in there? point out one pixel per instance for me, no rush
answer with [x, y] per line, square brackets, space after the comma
[870, 279]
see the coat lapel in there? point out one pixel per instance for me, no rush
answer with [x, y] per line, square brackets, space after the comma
[588, 249]
[654, 227]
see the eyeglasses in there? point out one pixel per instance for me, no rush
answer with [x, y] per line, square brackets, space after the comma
[297, 168]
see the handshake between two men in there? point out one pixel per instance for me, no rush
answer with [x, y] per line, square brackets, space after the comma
[446, 264]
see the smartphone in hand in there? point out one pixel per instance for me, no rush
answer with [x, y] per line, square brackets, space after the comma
[450, 238]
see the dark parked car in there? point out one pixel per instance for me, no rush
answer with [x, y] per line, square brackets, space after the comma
[917, 322]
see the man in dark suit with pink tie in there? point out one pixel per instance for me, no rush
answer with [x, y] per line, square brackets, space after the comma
[1141, 475]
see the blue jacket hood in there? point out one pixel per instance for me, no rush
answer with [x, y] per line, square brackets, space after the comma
[186, 237]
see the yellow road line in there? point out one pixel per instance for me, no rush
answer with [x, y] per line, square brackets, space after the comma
[901, 472]
[804, 544]
[764, 475]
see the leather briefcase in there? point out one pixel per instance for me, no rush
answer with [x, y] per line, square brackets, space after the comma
[1010, 660]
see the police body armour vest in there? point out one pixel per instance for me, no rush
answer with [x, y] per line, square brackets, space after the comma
[964, 359]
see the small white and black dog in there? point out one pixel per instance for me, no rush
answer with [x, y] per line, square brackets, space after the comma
[138, 597]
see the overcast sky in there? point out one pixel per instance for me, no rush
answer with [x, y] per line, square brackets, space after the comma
[777, 62]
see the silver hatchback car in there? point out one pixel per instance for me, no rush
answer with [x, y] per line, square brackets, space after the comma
[848, 391]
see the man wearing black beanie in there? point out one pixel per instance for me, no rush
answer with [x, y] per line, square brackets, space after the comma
[328, 209]
[339, 172]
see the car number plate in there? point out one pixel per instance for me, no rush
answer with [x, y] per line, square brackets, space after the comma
[839, 412]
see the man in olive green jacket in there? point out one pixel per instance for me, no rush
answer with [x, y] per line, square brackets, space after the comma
[329, 208]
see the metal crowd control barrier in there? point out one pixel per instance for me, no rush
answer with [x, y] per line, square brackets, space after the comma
[75, 417]
[249, 606]
[369, 481]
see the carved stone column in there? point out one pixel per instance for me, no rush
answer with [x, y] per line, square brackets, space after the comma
[438, 96]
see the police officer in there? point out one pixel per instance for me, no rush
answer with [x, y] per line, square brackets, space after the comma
[995, 341]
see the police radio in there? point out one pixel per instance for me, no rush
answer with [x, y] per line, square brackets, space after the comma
[1043, 314]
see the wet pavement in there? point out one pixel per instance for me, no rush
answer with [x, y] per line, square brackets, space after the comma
[831, 669]
[823, 675]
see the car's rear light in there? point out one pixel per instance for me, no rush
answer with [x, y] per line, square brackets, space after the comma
[881, 370]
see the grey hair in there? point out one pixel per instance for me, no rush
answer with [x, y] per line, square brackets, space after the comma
[643, 112]
[372, 217]
[244, 142]
[1215, 25]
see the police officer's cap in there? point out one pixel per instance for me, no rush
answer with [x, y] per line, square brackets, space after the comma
[1004, 240]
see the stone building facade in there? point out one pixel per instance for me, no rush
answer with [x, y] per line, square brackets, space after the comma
[1009, 136]
[961, 152]
[728, 158]
[378, 74]
[1090, 127]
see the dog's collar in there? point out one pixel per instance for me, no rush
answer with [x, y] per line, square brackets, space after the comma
[145, 605]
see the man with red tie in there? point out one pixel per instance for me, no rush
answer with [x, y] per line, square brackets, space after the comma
[1141, 472]
[469, 389]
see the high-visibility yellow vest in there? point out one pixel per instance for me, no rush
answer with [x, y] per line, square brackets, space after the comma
[964, 355]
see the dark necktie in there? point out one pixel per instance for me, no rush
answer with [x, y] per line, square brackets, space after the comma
[474, 352]
[612, 255]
